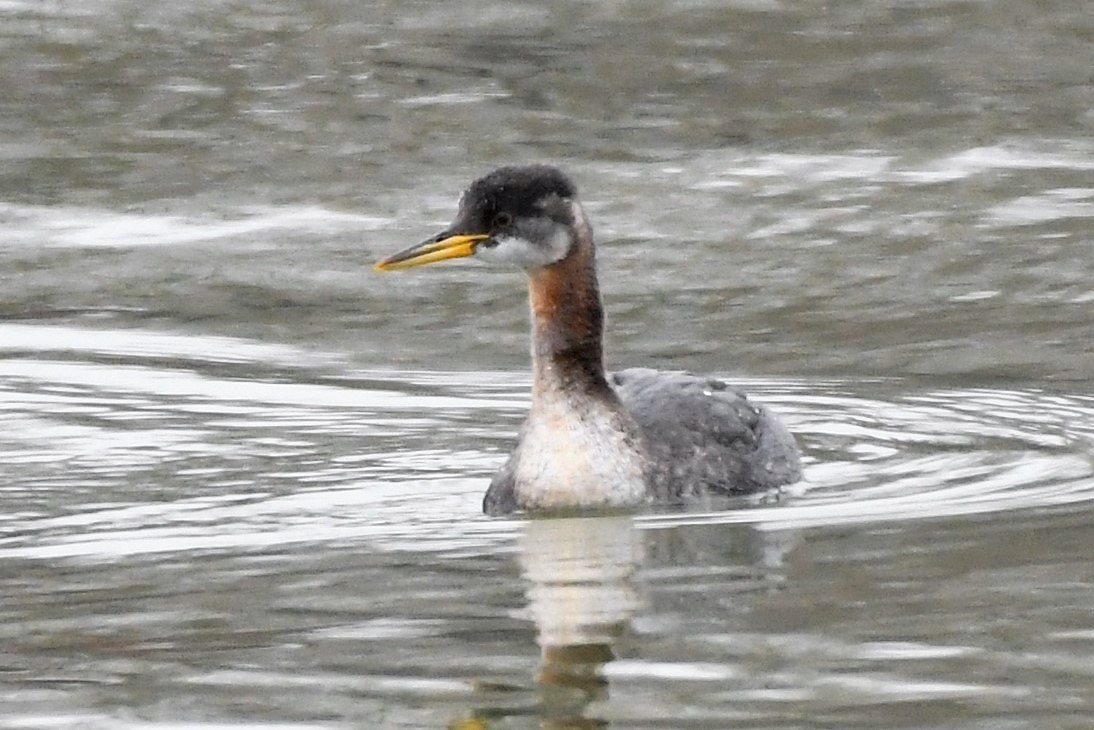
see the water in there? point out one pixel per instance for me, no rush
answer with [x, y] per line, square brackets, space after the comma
[241, 474]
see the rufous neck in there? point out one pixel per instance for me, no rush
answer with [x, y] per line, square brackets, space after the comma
[567, 325]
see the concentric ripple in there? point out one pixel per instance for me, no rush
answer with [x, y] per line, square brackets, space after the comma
[123, 442]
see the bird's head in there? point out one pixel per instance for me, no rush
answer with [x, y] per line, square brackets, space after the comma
[525, 216]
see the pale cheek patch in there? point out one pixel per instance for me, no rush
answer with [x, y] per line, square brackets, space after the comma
[521, 252]
[509, 250]
[559, 245]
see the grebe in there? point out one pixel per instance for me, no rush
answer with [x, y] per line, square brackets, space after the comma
[591, 439]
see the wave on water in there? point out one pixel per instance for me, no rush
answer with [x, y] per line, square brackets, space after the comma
[69, 227]
[133, 443]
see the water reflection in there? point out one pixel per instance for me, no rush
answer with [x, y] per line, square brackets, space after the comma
[590, 577]
[581, 596]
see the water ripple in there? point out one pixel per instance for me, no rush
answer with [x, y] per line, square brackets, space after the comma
[88, 228]
[209, 451]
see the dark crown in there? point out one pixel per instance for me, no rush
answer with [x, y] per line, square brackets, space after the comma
[517, 189]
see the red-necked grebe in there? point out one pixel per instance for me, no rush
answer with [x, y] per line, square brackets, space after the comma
[591, 439]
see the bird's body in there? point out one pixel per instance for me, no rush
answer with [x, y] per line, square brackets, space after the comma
[590, 440]
[698, 438]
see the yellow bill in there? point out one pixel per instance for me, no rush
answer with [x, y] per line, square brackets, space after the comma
[450, 247]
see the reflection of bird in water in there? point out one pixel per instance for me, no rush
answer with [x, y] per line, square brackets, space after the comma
[581, 596]
[594, 440]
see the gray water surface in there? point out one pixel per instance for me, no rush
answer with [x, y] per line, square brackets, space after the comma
[241, 474]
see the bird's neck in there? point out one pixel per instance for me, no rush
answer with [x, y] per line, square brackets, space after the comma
[567, 327]
[579, 447]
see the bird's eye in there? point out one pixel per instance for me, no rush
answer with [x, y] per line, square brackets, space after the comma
[502, 219]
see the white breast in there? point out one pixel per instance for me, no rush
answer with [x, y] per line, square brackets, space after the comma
[578, 458]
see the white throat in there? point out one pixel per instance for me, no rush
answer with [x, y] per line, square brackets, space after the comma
[554, 242]
[519, 251]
